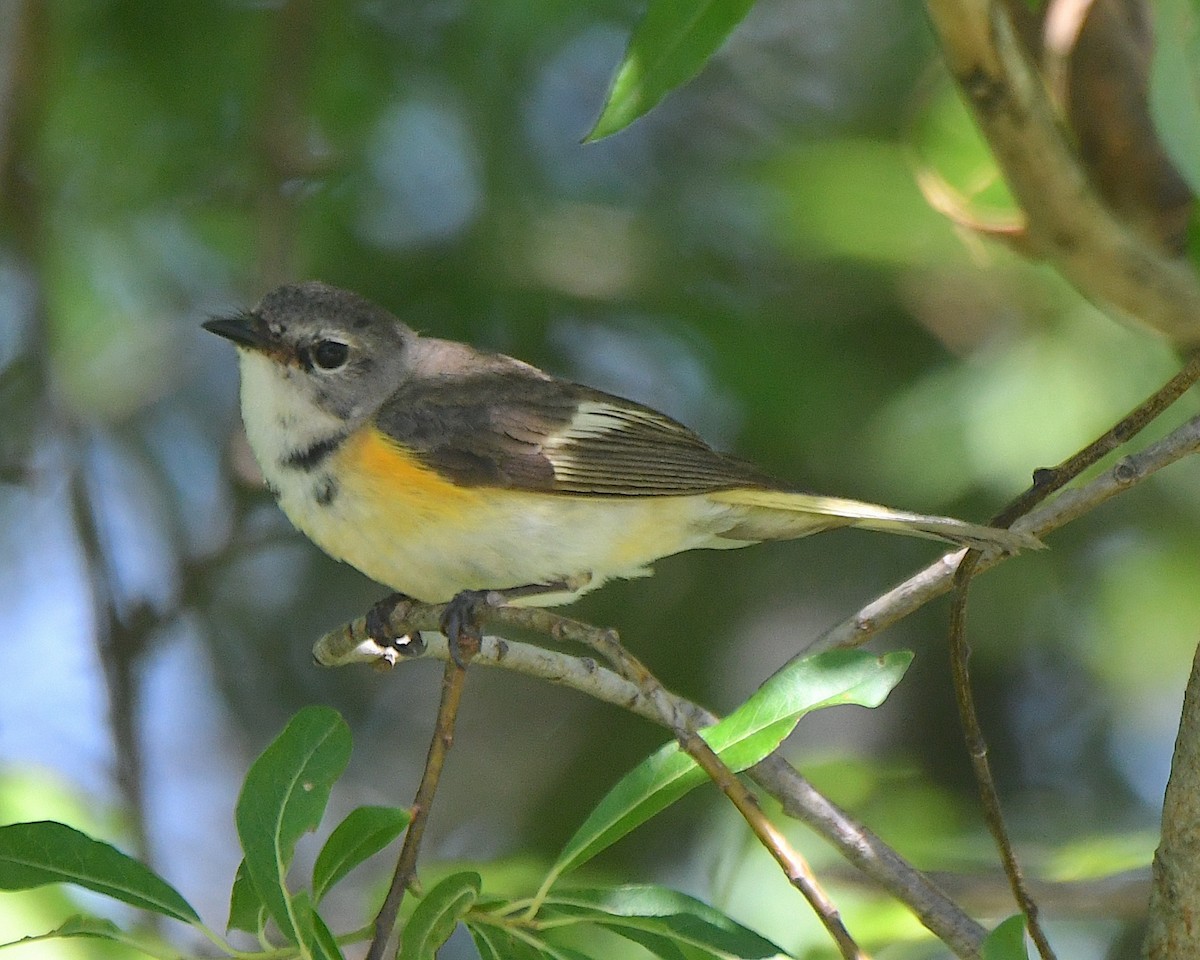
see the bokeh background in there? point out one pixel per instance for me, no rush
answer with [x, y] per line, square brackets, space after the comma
[754, 257]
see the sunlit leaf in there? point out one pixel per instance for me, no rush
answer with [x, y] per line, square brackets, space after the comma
[436, 915]
[668, 47]
[363, 833]
[1007, 941]
[97, 928]
[743, 738]
[666, 914]
[284, 796]
[35, 854]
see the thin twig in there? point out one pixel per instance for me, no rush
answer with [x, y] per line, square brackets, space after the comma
[938, 578]
[453, 680]
[680, 716]
[861, 848]
[977, 750]
[1049, 479]
[790, 860]
[1045, 483]
[351, 643]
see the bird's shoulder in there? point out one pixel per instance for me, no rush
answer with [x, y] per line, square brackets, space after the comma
[489, 420]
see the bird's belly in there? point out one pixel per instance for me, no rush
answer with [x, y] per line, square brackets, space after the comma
[405, 526]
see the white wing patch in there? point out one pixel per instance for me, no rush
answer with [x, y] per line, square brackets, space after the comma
[615, 448]
[595, 418]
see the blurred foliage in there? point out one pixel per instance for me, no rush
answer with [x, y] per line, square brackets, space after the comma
[755, 256]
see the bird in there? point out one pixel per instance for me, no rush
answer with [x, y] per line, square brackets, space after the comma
[450, 474]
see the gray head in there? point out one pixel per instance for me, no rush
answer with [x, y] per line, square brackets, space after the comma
[344, 353]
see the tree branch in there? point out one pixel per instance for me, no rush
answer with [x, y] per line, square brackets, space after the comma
[1045, 483]
[439, 747]
[977, 751]
[351, 643]
[938, 577]
[1173, 931]
[1067, 223]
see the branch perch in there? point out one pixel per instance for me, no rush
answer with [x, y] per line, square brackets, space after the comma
[1045, 483]
[1067, 223]
[938, 577]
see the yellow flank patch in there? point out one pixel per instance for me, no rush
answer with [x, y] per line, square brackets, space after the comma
[369, 459]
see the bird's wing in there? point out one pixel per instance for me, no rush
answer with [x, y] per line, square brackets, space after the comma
[519, 429]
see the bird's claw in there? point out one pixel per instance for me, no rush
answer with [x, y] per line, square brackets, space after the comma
[379, 629]
[460, 624]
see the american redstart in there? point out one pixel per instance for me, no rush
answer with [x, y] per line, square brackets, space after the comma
[438, 469]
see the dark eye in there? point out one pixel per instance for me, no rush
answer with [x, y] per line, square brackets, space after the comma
[330, 354]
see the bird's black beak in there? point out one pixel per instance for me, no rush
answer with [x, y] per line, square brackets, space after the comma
[244, 329]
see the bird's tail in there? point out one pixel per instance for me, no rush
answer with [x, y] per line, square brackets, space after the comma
[783, 515]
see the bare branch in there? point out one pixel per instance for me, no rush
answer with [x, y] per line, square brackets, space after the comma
[938, 577]
[350, 643]
[629, 684]
[1173, 931]
[1046, 482]
[977, 751]
[406, 865]
[1067, 224]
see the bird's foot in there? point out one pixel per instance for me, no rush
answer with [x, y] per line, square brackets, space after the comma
[460, 623]
[379, 619]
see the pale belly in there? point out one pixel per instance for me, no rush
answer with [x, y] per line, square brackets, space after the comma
[430, 543]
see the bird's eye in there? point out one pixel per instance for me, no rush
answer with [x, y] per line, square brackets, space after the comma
[330, 354]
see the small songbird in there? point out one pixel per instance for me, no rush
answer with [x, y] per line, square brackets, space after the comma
[440, 470]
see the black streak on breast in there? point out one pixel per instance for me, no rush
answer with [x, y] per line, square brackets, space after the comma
[312, 456]
[326, 492]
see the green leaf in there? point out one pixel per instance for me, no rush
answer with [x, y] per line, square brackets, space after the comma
[668, 47]
[1175, 85]
[1007, 941]
[246, 909]
[319, 943]
[743, 738]
[82, 925]
[663, 913]
[436, 915]
[35, 854]
[97, 928]
[362, 834]
[494, 943]
[661, 946]
[284, 796]
[556, 951]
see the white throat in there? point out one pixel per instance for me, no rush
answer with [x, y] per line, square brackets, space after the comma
[278, 412]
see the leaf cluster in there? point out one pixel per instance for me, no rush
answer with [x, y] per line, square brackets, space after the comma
[285, 795]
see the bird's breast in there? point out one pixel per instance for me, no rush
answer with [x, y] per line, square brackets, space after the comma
[377, 507]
